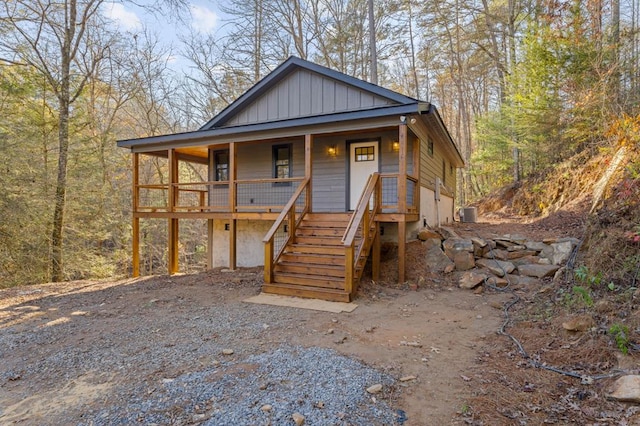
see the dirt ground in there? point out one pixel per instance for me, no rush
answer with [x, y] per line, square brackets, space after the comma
[441, 340]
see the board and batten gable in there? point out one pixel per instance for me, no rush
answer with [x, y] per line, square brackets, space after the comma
[306, 93]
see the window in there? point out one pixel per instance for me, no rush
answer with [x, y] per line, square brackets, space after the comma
[221, 164]
[365, 153]
[282, 161]
[430, 147]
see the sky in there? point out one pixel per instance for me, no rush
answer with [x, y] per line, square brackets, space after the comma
[204, 19]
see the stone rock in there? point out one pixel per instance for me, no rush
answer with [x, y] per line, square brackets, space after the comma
[452, 246]
[561, 252]
[298, 419]
[504, 243]
[544, 261]
[471, 279]
[447, 232]
[560, 274]
[432, 242]
[626, 389]
[520, 253]
[550, 240]
[407, 378]
[535, 245]
[579, 323]
[497, 254]
[572, 240]
[516, 248]
[449, 268]
[464, 261]
[377, 388]
[478, 242]
[525, 260]
[437, 260]
[538, 271]
[497, 267]
[266, 408]
[428, 234]
[522, 280]
[227, 352]
[498, 282]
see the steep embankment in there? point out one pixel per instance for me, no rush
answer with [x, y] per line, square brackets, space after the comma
[604, 189]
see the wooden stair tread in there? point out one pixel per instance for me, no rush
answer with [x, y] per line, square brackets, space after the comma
[307, 291]
[316, 270]
[314, 249]
[314, 259]
[322, 281]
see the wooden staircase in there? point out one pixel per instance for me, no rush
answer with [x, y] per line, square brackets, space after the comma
[313, 262]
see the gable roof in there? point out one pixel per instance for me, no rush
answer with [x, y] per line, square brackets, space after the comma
[298, 88]
[282, 104]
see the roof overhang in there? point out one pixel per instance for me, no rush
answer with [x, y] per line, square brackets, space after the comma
[331, 123]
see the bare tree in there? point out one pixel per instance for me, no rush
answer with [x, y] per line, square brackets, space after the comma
[56, 39]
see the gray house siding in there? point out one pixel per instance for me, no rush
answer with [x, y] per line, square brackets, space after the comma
[304, 93]
[436, 166]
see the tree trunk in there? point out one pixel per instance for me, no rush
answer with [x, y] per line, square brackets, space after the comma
[57, 270]
[64, 100]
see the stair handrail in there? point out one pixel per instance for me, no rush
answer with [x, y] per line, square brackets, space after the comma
[364, 214]
[288, 211]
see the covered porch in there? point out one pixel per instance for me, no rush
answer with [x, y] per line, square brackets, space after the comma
[275, 181]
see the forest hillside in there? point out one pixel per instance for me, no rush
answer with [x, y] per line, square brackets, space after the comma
[543, 97]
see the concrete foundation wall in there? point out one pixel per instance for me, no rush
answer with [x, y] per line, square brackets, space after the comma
[249, 248]
[428, 208]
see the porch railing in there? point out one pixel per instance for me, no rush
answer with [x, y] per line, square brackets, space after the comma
[362, 224]
[284, 228]
[391, 192]
[257, 195]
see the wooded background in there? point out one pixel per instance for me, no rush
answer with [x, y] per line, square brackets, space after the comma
[521, 86]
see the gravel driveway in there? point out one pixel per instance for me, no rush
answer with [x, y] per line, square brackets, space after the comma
[187, 350]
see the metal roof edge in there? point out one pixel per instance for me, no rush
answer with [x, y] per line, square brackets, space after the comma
[257, 127]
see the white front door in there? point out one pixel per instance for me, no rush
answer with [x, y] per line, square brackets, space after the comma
[363, 161]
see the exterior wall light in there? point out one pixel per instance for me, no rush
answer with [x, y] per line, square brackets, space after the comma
[395, 146]
[332, 150]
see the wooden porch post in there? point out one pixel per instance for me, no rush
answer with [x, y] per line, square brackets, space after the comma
[211, 177]
[173, 222]
[308, 151]
[135, 237]
[402, 200]
[233, 175]
[375, 260]
[416, 172]
[402, 169]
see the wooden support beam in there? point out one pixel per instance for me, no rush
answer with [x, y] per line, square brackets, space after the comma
[402, 250]
[375, 255]
[268, 262]
[233, 176]
[173, 266]
[210, 243]
[232, 244]
[349, 275]
[135, 225]
[416, 170]
[308, 169]
[173, 179]
[402, 168]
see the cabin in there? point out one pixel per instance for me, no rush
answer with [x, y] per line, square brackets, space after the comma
[307, 173]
